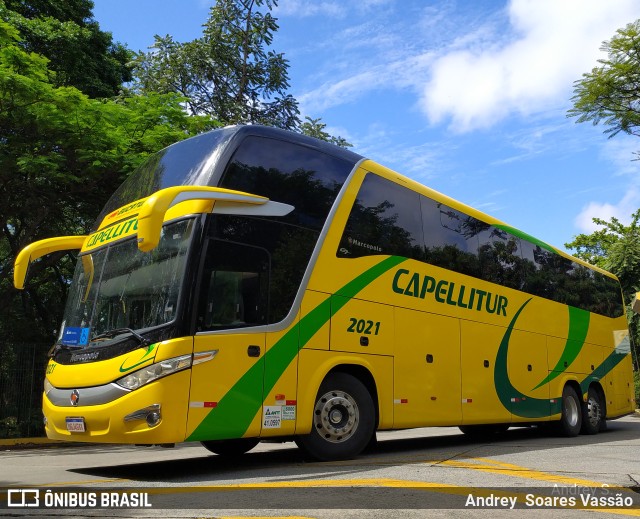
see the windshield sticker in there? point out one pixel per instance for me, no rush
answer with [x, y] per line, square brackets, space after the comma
[115, 232]
[75, 336]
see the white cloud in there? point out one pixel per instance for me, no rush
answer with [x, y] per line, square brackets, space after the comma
[526, 68]
[605, 211]
[330, 8]
[619, 153]
[304, 8]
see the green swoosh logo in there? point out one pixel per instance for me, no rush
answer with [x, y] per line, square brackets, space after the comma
[578, 329]
[143, 360]
[526, 406]
[236, 409]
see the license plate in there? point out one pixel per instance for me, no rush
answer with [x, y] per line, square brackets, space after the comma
[75, 424]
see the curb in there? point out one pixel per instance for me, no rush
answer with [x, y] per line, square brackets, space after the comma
[29, 443]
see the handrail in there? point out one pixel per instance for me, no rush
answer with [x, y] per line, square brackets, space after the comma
[37, 249]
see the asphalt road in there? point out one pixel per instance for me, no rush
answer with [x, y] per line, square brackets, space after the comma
[416, 473]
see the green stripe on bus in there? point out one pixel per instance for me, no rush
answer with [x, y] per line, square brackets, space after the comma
[526, 406]
[578, 329]
[524, 236]
[238, 407]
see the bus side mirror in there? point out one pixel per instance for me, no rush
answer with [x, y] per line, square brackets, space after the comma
[41, 248]
[635, 304]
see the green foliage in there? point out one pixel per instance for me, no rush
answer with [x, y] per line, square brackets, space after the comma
[315, 128]
[609, 94]
[616, 247]
[62, 154]
[229, 73]
[80, 54]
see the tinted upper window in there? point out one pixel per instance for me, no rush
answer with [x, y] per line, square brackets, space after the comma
[500, 257]
[385, 219]
[289, 173]
[188, 162]
[451, 238]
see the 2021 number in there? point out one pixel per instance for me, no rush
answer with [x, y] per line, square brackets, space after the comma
[363, 326]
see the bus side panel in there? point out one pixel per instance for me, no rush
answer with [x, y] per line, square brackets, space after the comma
[314, 304]
[479, 349]
[426, 370]
[619, 389]
[217, 379]
[280, 387]
[527, 364]
[361, 326]
[313, 366]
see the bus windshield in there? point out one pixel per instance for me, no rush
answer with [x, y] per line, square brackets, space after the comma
[121, 287]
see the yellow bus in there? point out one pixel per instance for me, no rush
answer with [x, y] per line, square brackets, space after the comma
[251, 283]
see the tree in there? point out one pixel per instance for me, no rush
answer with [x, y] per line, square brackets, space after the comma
[616, 247]
[62, 154]
[65, 32]
[610, 93]
[315, 128]
[229, 73]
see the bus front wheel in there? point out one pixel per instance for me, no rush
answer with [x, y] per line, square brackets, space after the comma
[230, 448]
[571, 419]
[343, 420]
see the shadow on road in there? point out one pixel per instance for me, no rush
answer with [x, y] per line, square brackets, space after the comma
[198, 466]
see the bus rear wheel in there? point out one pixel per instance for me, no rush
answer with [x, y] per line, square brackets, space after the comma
[230, 448]
[592, 413]
[571, 419]
[343, 420]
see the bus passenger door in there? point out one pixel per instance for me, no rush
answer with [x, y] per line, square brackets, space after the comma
[479, 349]
[227, 381]
[426, 370]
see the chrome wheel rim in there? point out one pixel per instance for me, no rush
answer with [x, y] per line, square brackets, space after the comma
[336, 416]
[571, 411]
[593, 412]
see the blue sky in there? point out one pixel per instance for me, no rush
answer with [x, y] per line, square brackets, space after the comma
[466, 96]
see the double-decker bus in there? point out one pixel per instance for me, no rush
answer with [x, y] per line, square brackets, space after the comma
[251, 283]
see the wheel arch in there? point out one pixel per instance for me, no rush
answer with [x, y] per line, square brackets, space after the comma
[372, 374]
[363, 375]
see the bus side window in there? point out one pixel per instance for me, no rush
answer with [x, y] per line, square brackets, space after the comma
[234, 287]
[500, 257]
[385, 219]
[451, 238]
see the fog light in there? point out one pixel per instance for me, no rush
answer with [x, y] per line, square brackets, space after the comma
[150, 413]
[153, 419]
[45, 421]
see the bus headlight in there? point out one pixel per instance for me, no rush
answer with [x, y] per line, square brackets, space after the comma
[155, 371]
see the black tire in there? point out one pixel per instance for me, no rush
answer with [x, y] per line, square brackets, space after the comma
[571, 419]
[230, 448]
[486, 431]
[592, 413]
[343, 420]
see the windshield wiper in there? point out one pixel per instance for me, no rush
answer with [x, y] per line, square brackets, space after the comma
[119, 331]
[62, 346]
